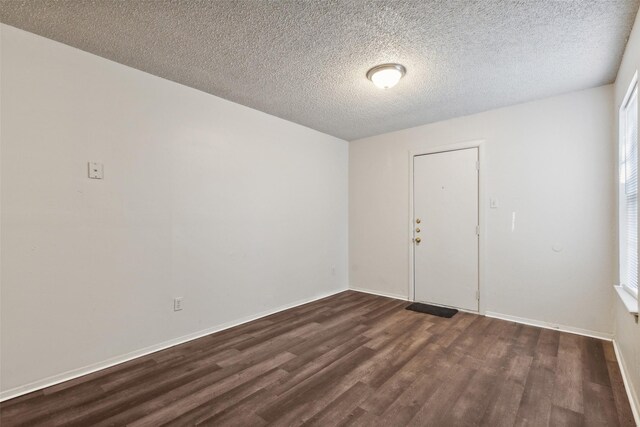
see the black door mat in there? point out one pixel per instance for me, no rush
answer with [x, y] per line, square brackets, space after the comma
[432, 309]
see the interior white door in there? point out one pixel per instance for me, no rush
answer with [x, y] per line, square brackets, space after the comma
[445, 224]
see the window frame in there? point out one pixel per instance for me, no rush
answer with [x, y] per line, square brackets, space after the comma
[622, 128]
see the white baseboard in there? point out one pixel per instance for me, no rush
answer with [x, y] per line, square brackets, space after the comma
[75, 373]
[563, 328]
[631, 393]
[382, 294]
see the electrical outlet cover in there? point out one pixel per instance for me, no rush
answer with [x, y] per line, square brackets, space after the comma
[96, 170]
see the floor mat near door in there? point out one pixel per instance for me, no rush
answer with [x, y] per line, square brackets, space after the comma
[432, 309]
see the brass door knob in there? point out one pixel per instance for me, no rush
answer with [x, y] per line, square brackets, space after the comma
[418, 221]
[417, 230]
[418, 240]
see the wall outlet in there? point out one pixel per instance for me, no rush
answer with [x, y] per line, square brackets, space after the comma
[177, 304]
[96, 170]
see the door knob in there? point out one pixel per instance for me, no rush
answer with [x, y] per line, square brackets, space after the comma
[418, 240]
[418, 221]
[417, 230]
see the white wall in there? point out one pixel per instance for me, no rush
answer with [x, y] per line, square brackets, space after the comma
[627, 331]
[550, 162]
[239, 212]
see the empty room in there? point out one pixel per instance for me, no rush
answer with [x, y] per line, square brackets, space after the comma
[319, 212]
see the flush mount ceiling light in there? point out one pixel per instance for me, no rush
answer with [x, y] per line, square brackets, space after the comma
[386, 76]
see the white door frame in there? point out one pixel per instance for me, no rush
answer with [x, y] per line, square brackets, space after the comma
[479, 144]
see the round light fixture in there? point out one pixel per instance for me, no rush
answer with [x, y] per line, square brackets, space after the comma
[386, 76]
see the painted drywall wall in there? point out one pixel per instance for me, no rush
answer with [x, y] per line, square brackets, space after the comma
[550, 162]
[237, 211]
[626, 330]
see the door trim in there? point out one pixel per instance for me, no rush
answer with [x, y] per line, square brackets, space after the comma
[479, 144]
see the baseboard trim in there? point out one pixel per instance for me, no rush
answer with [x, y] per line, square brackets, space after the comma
[381, 294]
[631, 394]
[552, 326]
[75, 373]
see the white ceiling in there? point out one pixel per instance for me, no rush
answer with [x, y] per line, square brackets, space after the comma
[306, 61]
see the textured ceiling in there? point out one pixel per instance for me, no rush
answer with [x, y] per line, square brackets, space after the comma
[305, 61]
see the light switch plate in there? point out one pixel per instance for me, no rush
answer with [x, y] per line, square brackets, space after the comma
[96, 170]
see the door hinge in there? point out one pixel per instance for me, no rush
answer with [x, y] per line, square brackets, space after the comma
[478, 230]
[477, 166]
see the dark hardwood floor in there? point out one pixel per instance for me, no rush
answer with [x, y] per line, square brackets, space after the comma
[350, 359]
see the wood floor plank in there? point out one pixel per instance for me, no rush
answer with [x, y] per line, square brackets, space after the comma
[535, 406]
[625, 415]
[341, 407]
[436, 409]
[313, 349]
[595, 366]
[314, 390]
[425, 384]
[518, 368]
[567, 391]
[548, 343]
[600, 409]
[472, 403]
[448, 331]
[319, 364]
[502, 408]
[180, 405]
[245, 409]
[565, 417]
[212, 405]
[361, 418]
[527, 339]
[402, 380]
[352, 359]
